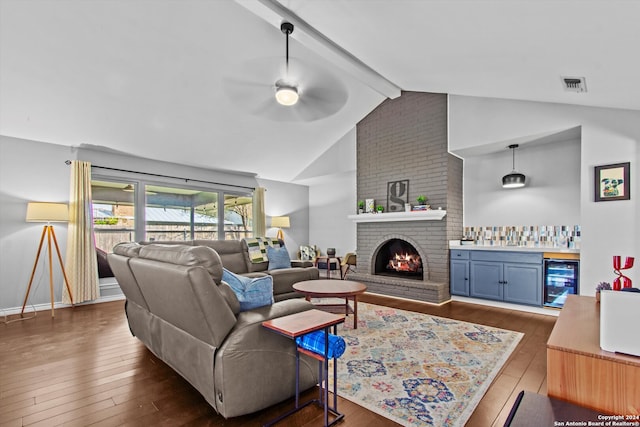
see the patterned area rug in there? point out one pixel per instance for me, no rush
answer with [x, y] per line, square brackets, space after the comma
[419, 370]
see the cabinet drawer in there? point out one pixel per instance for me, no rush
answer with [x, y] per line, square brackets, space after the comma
[458, 254]
[506, 256]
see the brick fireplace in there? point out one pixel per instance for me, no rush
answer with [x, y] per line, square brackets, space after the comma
[406, 139]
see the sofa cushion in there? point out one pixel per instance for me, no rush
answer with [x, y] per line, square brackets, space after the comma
[128, 249]
[232, 253]
[278, 258]
[251, 292]
[185, 255]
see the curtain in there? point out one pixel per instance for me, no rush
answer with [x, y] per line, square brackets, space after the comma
[259, 218]
[81, 261]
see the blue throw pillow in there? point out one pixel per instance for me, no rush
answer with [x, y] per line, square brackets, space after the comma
[251, 292]
[278, 257]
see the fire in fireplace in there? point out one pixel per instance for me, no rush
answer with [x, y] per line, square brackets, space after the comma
[399, 258]
[405, 262]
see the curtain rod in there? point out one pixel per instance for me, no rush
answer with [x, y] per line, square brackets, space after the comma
[68, 162]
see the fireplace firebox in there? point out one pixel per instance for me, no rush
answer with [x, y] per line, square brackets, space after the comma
[399, 258]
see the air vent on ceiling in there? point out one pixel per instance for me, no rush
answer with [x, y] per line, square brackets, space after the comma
[574, 84]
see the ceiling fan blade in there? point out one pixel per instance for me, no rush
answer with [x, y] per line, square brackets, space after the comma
[251, 86]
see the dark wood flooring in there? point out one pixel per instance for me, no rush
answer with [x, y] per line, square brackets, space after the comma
[84, 368]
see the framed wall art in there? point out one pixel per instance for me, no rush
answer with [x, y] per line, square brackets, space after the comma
[397, 195]
[612, 182]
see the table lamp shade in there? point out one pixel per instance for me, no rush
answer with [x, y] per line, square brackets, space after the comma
[47, 212]
[280, 222]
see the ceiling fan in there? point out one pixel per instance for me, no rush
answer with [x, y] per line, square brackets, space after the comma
[290, 90]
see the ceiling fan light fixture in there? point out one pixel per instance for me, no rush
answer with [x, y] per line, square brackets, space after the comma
[513, 179]
[286, 95]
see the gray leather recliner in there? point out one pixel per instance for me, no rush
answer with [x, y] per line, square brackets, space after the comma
[180, 309]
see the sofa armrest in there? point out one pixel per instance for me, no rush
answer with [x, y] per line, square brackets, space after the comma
[255, 367]
[279, 309]
[301, 263]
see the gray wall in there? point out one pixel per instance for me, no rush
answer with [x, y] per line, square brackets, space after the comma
[551, 196]
[35, 171]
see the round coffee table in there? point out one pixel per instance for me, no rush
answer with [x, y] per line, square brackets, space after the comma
[322, 288]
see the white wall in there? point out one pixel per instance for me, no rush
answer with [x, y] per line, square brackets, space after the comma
[329, 205]
[608, 136]
[551, 195]
[332, 196]
[292, 200]
[29, 171]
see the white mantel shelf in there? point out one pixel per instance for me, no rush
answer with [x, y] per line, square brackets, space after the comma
[430, 215]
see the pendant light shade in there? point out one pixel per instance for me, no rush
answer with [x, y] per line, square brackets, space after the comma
[513, 179]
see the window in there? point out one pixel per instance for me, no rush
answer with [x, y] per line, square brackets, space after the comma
[180, 214]
[137, 210]
[113, 213]
[238, 216]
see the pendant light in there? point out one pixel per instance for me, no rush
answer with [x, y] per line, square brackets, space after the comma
[286, 94]
[513, 179]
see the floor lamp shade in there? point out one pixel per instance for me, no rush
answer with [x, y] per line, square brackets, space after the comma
[47, 212]
[280, 222]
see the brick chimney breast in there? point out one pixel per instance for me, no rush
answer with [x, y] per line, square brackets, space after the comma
[406, 139]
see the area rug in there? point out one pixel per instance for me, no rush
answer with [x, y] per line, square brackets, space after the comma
[419, 370]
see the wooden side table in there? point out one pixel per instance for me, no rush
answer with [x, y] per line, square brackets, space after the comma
[298, 324]
[329, 260]
[333, 289]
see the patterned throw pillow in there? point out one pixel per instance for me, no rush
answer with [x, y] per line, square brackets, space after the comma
[258, 247]
[307, 253]
[278, 258]
[251, 292]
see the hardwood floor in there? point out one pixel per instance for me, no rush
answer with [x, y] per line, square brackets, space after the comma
[85, 368]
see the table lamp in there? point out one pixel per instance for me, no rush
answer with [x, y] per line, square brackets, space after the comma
[48, 212]
[280, 222]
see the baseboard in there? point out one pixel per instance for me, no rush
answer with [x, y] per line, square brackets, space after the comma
[509, 306]
[57, 305]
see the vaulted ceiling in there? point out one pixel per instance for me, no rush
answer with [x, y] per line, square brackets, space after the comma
[192, 81]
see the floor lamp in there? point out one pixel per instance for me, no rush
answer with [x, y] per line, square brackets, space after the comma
[280, 222]
[48, 212]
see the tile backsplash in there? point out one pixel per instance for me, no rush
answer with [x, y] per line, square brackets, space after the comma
[530, 236]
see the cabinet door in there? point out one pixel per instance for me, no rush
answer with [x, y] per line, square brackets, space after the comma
[523, 283]
[486, 280]
[460, 277]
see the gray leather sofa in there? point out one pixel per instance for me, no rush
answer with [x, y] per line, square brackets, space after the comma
[180, 309]
[235, 257]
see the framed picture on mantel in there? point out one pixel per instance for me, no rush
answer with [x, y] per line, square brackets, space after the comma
[397, 195]
[612, 182]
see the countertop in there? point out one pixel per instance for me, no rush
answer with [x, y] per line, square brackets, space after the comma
[455, 244]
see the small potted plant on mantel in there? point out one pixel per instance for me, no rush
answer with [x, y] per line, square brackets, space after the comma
[602, 286]
[360, 206]
[421, 206]
[379, 209]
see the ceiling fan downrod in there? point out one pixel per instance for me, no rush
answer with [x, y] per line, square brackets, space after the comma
[287, 29]
[286, 94]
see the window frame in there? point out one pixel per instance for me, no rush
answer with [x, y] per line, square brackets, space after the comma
[140, 201]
